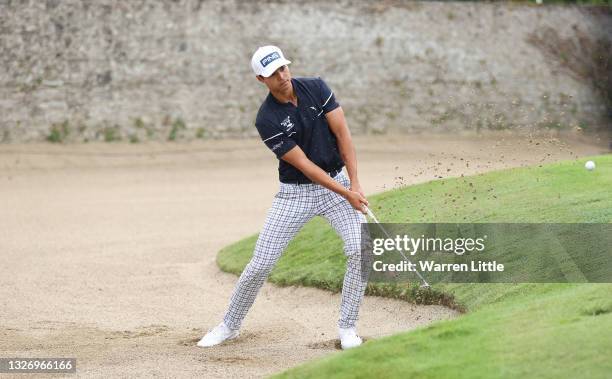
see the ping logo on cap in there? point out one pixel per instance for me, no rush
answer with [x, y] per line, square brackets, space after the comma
[269, 58]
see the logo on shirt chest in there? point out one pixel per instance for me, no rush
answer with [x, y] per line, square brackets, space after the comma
[314, 112]
[288, 125]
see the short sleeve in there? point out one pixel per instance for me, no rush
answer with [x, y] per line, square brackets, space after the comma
[274, 138]
[328, 99]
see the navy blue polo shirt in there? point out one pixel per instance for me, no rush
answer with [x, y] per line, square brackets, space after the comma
[283, 126]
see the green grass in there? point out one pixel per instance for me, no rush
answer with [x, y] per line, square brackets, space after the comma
[177, 126]
[535, 330]
[549, 332]
[111, 134]
[59, 132]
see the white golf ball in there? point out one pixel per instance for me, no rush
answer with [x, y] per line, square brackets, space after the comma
[590, 165]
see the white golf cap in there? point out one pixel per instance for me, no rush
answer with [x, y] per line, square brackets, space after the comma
[267, 59]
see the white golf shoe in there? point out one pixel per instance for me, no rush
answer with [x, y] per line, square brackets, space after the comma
[349, 338]
[217, 335]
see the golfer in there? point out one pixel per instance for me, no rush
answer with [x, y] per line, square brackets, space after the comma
[301, 122]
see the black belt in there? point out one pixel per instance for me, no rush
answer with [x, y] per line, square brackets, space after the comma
[308, 181]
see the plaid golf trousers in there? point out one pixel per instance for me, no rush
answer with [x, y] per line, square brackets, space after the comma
[293, 206]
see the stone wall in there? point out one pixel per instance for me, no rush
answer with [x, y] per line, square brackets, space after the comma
[113, 69]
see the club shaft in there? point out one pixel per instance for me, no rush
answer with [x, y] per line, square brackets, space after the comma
[371, 214]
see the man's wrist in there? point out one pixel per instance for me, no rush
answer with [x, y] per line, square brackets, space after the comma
[345, 192]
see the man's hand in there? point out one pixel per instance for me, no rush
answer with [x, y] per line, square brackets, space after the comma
[357, 188]
[357, 200]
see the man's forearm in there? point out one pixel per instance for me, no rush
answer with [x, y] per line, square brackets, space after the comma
[318, 176]
[338, 126]
[347, 152]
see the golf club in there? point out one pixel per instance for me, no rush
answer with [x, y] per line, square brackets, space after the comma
[371, 214]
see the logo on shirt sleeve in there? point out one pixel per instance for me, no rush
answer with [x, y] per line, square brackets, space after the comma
[277, 146]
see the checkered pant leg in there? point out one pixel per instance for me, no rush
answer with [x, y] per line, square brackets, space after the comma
[353, 289]
[287, 215]
[347, 223]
